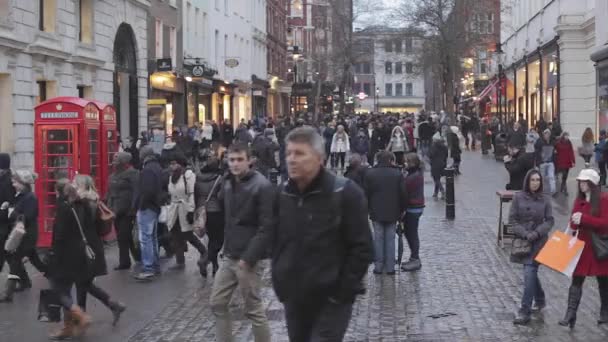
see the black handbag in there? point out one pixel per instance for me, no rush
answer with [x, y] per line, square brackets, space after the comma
[600, 246]
[49, 306]
[521, 248]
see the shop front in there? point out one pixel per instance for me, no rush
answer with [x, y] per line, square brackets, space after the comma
[259, 95]
[221, 102]
[600, 58]
[199, 99]
[165, 106]
[300, 94]
[532, 87]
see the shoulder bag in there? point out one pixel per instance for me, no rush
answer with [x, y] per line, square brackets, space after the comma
[200, 220]
[88, 251]
[521, 248]
[600, 246]
[16, 236]
[107, 217]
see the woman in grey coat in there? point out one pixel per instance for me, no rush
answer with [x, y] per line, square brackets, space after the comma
[531, 219]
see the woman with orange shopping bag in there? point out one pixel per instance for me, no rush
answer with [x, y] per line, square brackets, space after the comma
[531, 219]
[589, 216]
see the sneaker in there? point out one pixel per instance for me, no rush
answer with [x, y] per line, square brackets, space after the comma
[539, 306]
[523, 318]
[145, 276]
[411, 266]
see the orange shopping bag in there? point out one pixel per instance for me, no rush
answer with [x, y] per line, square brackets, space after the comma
[561, 252]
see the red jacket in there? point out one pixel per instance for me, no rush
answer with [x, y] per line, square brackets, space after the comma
[588, 265]
[564, 158]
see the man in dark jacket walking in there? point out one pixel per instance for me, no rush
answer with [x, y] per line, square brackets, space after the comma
[322, 244]
[518, 163]
[148, 201]
[247, 199]
[263, 149]
[227, 133]
[385, 190]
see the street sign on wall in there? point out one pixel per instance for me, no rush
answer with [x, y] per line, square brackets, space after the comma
[164, 64]
[231, 62]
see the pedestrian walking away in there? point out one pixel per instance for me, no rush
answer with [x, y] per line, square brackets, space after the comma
[398, 145]
[587, 148]
[247, 200]
[564, 159]
[149, 200]
[122, 186]
[439, 160]
[385, 192]
[414, 188]
[322, 244]
[531, 219]
[545, 153]
[589, 217]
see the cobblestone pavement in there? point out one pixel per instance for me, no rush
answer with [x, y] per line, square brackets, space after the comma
[466, 291]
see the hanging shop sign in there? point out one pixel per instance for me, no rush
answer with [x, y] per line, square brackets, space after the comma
[164, 64]
[231, 62]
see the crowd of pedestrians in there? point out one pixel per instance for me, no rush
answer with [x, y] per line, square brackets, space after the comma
[217, 189]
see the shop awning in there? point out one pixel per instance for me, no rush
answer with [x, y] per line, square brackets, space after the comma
[487, 91]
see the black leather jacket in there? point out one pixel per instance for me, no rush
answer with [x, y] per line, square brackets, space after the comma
[247, 206]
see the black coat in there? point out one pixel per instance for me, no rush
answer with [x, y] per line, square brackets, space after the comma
[439, 158]
[150, 193]
[386, 194]
[318, 253]
[121, 190]
[227, 134]
[7, 194]
[517, 138]
[378, 141]
[26, 207]
[518, 167]
[263, 149]
[68, 259]
[356, 174]
[247, 206]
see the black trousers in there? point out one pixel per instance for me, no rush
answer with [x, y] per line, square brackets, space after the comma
[164, 238]
[63, 289]
[2, 251]
[602, 167]
[317, 321]
[410, 225]
[126, 243]
[88, 287]
[564, 173]
[16, 267]
[180, 238]
[338, 158]
[215, 232]
[399, 158]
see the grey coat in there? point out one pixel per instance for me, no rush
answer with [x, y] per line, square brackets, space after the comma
[531, 212]
[121, 189]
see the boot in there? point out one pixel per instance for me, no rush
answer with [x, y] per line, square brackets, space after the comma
[11, 285]
[603, 287]
[67, 332]
[81, 320]
[574, 298]
[117, 309]
[411, 266]
[523, 318]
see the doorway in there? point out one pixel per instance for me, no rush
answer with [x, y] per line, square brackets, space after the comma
[125, 82]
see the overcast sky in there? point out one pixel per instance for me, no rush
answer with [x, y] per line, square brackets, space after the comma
[376, 18]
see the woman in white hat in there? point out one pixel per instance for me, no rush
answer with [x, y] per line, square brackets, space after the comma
[589, 216]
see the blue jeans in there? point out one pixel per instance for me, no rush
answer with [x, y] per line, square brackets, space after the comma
[148, 240]
[384, 246]
[533, 290]
[547, 170]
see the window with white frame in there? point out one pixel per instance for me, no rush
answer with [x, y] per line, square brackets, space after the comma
[399, 89]
[47, 11]
[409, 89]
[172, 44]
[297, 8]
[85, 35]
[409, 68]
[159, 39]
[388, 89]
[197, 20]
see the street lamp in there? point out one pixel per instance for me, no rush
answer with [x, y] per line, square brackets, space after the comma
[376, 99]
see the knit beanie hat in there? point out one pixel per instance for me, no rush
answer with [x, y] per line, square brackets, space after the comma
[145, 152]
[5, 161]
[25, 177]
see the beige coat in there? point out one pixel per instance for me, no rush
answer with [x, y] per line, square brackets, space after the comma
[182, 201]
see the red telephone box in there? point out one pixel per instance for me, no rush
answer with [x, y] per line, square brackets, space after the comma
[67, 142]
[109, 142]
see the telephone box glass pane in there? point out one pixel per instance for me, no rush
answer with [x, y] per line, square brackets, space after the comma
[93, 135]
[59, 135]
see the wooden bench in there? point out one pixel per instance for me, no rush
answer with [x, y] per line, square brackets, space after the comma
[504, 196]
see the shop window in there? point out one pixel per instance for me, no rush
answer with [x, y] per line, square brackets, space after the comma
[367, 68]
[85, 92]
[388, 67]
[398, 68]
[86, 21]
[367, 89]
[46, 90]
[388, 89]
[358, 68]
[409, 44]
[409, 68]
[398, 47]
[388, 46]
[47, 10]
[409, 89]
[297, 9]
[399, 89]
[6, 113]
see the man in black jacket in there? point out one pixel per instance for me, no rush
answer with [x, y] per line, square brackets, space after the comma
[247, 198]
[385, 190]
[518, 163]
[322, 245]
[148, 201]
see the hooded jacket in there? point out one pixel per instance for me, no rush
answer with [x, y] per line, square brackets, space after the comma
[150, 193]
[121, 190]
[531, 212]
[397, 143]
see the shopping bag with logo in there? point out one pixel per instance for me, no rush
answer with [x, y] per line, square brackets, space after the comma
[562, 252]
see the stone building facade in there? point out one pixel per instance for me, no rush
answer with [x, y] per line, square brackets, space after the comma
[95, 49]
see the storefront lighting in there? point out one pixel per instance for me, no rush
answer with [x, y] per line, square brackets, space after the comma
[288, 70]
[474, 98]
[188, 79]
[226, 82]
[222, 89]
[462, 93]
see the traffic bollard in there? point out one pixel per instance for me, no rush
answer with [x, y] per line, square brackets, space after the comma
[450, 198]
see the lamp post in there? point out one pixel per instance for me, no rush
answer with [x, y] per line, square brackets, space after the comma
[377, 99]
